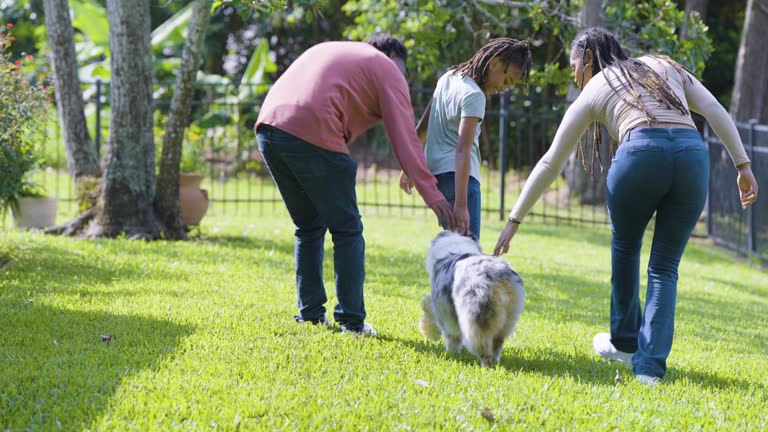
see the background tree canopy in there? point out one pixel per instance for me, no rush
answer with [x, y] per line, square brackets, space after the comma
[438, 33]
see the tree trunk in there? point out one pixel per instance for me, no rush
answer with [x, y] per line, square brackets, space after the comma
[167, 199]
[588, 184]
[81, 156]
[750, 91]
[699, 6]
[126, 201]
[592, 13]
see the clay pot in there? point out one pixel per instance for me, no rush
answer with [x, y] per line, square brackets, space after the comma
[193, 200]
[35, 213]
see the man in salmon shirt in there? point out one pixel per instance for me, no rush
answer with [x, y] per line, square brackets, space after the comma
[331, 94]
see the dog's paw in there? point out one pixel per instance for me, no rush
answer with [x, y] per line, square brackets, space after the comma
[428, 329]
[488, 362]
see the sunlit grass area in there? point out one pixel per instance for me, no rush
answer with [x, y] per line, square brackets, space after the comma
[119, 335]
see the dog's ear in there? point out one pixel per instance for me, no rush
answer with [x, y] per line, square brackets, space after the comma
[472, 236]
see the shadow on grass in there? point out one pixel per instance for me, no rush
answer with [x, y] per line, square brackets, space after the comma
[559, 364]
[552, 362]
[51, 267]
[556, 296]
[57, 373]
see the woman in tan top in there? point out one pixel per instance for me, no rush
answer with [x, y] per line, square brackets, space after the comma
[661, 166]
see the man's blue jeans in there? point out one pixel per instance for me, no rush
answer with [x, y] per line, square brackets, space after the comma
[318, 188]
[446, 183]
[662, 171]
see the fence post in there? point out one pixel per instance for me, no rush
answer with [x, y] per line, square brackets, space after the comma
[98, 118]
[709, 194]
[503, 124]
[751, 231]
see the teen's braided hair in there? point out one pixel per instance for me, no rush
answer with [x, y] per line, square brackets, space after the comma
[623, 75]
[508, 50]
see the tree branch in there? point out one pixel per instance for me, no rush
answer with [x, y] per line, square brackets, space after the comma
[513, 4]
[497, 22]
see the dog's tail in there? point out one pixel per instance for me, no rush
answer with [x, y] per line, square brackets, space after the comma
[491, 317]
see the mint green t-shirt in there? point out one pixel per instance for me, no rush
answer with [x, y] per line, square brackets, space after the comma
[454, 97]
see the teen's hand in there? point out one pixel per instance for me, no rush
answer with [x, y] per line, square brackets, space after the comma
[509, 231]
[747, 186]
[462, 219]
[444, 214]
[406, 184]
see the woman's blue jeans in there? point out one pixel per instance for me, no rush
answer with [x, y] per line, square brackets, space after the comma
[662, 171]
[318, 188]
[446, 183]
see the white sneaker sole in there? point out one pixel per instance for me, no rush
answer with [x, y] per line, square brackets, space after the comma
[610, 352]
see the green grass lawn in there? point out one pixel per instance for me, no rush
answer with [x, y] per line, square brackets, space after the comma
[203, 338]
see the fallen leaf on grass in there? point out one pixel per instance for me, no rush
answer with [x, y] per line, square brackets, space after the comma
[618, 379]
[488, 415]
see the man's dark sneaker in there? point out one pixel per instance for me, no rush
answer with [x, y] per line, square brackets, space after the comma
[322, 320]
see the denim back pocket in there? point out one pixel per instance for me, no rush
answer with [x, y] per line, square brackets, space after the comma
[694, 148]
[646, 148]
[637, 146]
[305, 165]
[320, 163]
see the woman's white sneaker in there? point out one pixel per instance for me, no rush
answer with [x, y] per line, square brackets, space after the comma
[648, 380]
[605, 349]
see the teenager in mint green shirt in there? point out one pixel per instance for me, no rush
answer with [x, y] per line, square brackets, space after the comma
[451, 124]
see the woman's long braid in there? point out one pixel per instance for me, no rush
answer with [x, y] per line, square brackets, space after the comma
[508, 50]
[629, 73]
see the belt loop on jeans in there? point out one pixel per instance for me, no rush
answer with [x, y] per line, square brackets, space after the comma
[627, 135]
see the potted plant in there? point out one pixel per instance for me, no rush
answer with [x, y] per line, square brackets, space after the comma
[33, 209]
[193, 201]
[23, 109]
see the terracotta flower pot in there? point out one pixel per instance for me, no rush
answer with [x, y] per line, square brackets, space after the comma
[193, 200]
[35, 213]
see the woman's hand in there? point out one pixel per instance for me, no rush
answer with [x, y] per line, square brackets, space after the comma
[509, 231]
[406, 184]
[747, 186]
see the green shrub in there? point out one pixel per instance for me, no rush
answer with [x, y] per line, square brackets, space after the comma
[23, 108]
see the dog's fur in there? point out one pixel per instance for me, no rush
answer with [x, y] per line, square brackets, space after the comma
[475, 299]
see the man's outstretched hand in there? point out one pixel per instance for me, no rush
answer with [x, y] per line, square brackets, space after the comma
[444, 213]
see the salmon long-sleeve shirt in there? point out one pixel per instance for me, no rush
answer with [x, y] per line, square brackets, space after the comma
[335, 91]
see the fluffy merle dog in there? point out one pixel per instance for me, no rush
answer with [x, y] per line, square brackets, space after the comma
[475, 299]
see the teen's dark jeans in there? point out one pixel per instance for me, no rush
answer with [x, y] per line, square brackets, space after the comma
[446, 183]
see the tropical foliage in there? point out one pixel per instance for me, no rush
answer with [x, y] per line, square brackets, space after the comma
[654, 26]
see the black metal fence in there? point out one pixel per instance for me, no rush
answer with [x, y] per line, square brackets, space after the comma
[745, 231]
[220, 143]
[517, 130]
